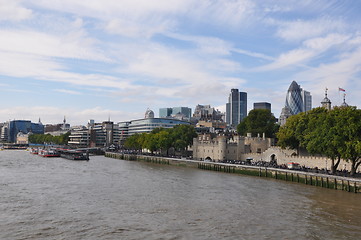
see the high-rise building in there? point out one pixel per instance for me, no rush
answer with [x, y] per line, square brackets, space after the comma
[182, 113]
[262, 105]
[236, 108]
[11, 129]
[307, 101]
[297, 100]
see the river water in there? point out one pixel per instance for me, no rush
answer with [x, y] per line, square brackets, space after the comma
[55, 198]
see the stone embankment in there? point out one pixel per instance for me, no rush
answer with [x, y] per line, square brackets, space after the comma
[314, 179]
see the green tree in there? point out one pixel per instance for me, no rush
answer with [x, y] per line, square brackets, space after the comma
[335, 134]
[133, 142]
[164, 140]
[182, 137]
[258, 121]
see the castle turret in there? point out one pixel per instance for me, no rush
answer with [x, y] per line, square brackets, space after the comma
[326, 103]
[344, 104]
[222, 140]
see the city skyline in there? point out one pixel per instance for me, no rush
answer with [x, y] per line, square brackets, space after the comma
[114, 59]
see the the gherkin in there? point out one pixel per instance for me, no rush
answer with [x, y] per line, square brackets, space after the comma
[294, 99]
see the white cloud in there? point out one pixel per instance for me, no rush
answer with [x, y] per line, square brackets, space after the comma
[144, 18]
[309, 50]
[304, 29]
[46, 69]
[13, 11]
[71, 45]
[66, 91]
[253, 54]
[131, 28]
[74, 116]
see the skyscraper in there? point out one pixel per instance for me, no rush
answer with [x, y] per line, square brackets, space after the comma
[297, 100]
[236, 108]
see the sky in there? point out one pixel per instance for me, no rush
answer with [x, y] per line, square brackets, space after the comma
[113, 59]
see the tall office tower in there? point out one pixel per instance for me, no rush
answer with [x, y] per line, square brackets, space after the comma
[236, 108]
[294, 99]
[307, 100]
[297, 100]
[262, 105]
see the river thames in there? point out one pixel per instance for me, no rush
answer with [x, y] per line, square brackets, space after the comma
[55, 198]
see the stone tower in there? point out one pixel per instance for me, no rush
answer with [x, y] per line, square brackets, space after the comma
[326, 103]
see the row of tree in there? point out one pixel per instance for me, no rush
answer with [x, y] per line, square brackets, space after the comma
[48, 138]
[334, 133]
[160, 139]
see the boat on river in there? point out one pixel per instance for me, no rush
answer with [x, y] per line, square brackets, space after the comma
[48, 153]
[74, 155]
[33, 150]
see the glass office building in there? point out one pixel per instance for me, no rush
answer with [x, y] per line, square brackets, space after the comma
[169, 112]
[297, 99]
[24, 126]
[147, 125]
[236, 108]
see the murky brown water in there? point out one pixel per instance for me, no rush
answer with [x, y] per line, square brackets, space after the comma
[105, 198]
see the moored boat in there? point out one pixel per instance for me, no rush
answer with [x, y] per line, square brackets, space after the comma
[48, 153]
[75, 155]
[34, 150]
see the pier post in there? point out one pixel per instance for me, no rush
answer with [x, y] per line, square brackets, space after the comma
[355, 187]
[327, 183]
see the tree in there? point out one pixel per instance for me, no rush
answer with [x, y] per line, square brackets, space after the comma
[258, 121]
[349, 125]
[133, 142]
[182, 136]
[164, 140]
[335, 134]
[48, 138]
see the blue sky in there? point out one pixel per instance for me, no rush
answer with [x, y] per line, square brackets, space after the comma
[115, 58]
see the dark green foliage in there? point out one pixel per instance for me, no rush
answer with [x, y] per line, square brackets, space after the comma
[49, 139]
[258, 121]
[179, 137]
[335, 134]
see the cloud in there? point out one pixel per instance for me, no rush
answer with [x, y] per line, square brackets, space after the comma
[71, 45]
[13, 11]
[253, 54]
[309, 50]
[300, 29]
[46, 69]
[134, 29]
[145, 18]
[66, 91]
[74, 116]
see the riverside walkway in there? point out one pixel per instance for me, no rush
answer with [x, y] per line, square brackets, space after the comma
[315, 179]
